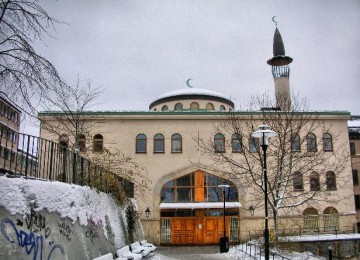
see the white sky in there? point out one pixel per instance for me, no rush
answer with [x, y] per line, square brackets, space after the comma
[141, 49]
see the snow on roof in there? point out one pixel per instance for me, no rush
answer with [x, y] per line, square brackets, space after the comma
[192, 91]
[354, 123]
[200, 205]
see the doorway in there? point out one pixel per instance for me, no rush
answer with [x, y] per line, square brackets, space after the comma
[201, 228]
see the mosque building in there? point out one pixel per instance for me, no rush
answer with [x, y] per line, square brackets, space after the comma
[183, 202]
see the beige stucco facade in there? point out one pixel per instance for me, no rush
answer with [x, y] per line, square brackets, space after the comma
[120, 129]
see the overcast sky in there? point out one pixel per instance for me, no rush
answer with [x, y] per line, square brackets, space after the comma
[139, 50]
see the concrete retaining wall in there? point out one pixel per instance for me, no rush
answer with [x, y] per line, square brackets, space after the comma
[40, 234]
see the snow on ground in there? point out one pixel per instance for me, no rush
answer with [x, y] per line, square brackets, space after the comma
[235, 253]
[19, 196]
[322, 237]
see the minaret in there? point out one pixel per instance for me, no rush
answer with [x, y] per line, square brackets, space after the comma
[281, 71]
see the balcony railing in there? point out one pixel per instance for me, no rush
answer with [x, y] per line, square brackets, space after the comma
[33, 157]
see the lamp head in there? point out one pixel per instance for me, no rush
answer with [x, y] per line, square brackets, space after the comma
[147, 213]
[252, 210]
[224, 186]
[264, 133]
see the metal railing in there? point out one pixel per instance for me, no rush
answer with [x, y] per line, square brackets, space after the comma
[33, 157]
[257, 252]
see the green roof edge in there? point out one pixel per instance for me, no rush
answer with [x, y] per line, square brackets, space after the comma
[201, 112]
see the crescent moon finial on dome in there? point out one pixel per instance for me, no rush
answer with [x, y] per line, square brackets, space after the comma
[188, 83]
[273, 19]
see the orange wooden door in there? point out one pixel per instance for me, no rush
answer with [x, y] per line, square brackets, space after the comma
[189, 230]
[183, 231]
[220, 230]
[176, 231]
[210, 231]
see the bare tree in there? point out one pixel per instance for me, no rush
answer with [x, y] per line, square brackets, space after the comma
[294, 158]
[67, 117]
[25, 76]
[66, 111]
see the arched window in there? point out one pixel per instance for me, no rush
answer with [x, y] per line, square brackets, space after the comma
[98, 143]
[311, 143]
[295, 143]
[236, 143]
[330, 181]
[209, 106]
[311, 220]
[141, 143]
[81, 140]
[159, 143]
[314, 181]
[64, 140]
[253, 144]
[331, 219]
[178, 106]
[298, 181]
[219, 143]
[176, 143]
[164, 108]
[327, 142]
[194, 106]
[198, 186]
[222, 108]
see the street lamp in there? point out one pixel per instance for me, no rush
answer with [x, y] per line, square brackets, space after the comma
[224, 241]
[147, 213]
[264, 133]
[252, 210]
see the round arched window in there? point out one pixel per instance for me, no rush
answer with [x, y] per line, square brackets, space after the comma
[222, 108]
[209, 106]
[194, 106]
[164, 108]
[178, 106]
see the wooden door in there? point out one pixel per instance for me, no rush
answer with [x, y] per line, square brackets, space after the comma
[210, 231]
[176, 231]
[189, 226]
[183, 231]
[198, 230]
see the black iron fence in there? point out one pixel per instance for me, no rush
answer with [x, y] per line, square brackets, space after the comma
[257, 252]
[33, 157]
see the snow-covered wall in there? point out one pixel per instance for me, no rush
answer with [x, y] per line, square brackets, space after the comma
[54, 220]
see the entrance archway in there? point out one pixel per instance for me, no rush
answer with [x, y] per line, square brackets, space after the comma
[191, 210]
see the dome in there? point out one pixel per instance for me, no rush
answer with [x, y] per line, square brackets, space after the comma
[187, 95]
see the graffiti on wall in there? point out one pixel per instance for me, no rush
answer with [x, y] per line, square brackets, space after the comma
[35, 222]
[65, 230]
[91, 233]
[32, 242]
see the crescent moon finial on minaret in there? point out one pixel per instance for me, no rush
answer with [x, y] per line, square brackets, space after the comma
[273, 19]
[188, 83]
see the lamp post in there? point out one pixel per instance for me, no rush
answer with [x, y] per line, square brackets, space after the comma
[224, 241]
[147, 213]
[264, 133]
